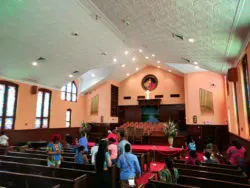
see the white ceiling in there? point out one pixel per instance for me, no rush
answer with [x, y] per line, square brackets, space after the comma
[43, 28]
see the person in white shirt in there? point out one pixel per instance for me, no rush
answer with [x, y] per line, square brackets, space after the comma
[94, 150]
[3, 139]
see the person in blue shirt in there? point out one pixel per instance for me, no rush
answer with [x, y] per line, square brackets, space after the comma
[122, 143]
[81, 157]
[129, 166]
[191, 143]
[84, 142]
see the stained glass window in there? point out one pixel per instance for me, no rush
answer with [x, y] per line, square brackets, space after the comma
[68, 117]
[69, 92]
[43, 108]
[246, 83]
[8, 101]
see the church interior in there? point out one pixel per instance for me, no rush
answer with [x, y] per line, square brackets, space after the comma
[170, 77]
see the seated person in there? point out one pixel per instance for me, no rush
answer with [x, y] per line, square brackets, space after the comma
[3, 139]
[169, 174]
[81, 157]
[192, 158]
[113, 150]
[209, 158]
[94, 150]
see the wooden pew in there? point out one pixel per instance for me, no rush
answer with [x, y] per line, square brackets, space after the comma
[160, 184]
[65, 154]
[208, 183]
[209, 169]
[35, 155]
[64, 149]
[18, 180]
[212, 165]
[213, 175]
[70, 174]
[141, 159]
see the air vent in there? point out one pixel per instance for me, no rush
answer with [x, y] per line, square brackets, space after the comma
[127, 98]
[177, 36]
[175, 95]
[140, 97]
[158, 96]
[41, 59]
[76, 72]
[186, 60]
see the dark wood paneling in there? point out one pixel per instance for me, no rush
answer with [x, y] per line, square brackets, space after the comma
[129, 113]
[149, 102]
[114, 101]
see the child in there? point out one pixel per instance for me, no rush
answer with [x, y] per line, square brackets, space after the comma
[192, 158]
[54, 151]
[3, 139]
[81, 157]
[113, 150]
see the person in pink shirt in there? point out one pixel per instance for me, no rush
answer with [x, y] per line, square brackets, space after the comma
[112, 135]
[236, 154]
[113, 150]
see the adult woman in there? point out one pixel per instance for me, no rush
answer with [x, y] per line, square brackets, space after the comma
[236, 154]
[192, 159]
[169, 174]
[102, 162]
[191, 143]
[54, 151]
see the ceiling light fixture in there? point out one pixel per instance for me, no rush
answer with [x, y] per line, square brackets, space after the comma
[196, 63]
[114, 60]
[140, 50]
[153, 55]
[158, 62]
[137, 68]
[159, 66]
[123, 65]
[191, 40]
[146, 57]
[196, 67]
[34, 63]
[127, 74]
[169, 70]
[126, 52]
[71, 75]
[92, 75]
[133, 59]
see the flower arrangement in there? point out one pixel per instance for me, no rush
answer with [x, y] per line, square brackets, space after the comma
[85, 127]
[171, 129]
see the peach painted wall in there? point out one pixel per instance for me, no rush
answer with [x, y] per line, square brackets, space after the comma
[195, 81]
[168, 83]
[104, 92]
[26, 109]
[243, 119]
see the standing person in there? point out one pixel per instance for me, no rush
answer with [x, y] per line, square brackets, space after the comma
[4, 139]
[122, 143]
[102, 162]
[83, 141]
[113, 150]
[113, 135]
[191, 143]
[69, 141]
[129, 166]
[81, 157]
[54, 151]
[236, 154]
[169, 174]
[192, 159]
[94, 150]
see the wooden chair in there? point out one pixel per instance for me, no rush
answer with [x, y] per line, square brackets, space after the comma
[139, 135]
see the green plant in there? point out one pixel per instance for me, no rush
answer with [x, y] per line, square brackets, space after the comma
[85, 127]
[171, 129]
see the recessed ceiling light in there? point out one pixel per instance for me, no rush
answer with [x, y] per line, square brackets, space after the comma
[153, 55]
[137, 68]
[92, 75]
[140, 50]
[159, 66]
[34, 63]
[196, 63]
[146, 57]
[127, 74]
[133, 59]
[71, 75]
[191, 40]
[123, 65]
[114, 60]
[126, 52]
[158, 62]
[169, 70]
[196, 67]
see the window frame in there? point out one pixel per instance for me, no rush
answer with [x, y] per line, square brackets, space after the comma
[246, 82]
[71, 92]
[5, 100]
[70, 118]
[44, 91]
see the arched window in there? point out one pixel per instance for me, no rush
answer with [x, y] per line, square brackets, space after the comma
[68, 117]
[43, 108]
[8, 102]
[69, 92]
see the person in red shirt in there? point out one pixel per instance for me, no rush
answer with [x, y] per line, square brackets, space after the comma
[112, 135]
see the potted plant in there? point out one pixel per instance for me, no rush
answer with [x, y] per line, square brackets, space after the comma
[84, 128]
[171, 132]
